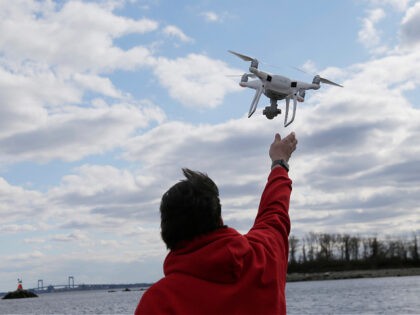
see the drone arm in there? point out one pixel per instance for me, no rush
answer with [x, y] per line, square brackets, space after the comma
[254, 103]
[286, 123]
[262, 75]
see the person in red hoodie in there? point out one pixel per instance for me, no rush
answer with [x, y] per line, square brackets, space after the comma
[213, 269]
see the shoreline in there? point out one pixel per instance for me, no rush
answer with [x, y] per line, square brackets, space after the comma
[353, 274]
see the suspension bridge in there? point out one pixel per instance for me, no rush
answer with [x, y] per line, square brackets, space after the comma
[51, 287]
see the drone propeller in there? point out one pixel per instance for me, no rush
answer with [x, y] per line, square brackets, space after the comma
[250, 75]
[323, 80]
[243, 57]
[247, 58]
[298, 69]
[326, 81]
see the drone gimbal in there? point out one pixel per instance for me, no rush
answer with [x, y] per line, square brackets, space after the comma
[272, 111]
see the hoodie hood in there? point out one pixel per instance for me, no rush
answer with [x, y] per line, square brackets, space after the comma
[218, 256]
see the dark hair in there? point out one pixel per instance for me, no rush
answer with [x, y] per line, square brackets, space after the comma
[189, 208]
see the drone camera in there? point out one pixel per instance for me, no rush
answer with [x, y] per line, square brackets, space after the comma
[270, 112]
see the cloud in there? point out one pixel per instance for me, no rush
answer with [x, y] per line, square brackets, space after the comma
[409, 31]
[196, 80]
[74, 132]
[106, 199]
[174, 31]
[74, 236]
[18, 205]
[400, 5]
[77, 36]
[34, 240]
[310, 67]
[217, 17]
[210, 16]
[97, 84]
[356, 158]
[51, 58]
[16, 228]
[369, 35]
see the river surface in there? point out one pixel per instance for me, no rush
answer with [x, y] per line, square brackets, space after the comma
[393, 295]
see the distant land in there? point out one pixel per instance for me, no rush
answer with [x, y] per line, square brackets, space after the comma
[322, 256]
[353, 274]
[86, 287]
[324, 252]
[291, 277]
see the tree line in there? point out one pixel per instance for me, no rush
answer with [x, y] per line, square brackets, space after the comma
[319, 252]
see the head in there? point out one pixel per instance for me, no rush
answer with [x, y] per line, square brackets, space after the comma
[189, 208]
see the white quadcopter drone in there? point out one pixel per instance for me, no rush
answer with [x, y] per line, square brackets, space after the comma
[276, 87]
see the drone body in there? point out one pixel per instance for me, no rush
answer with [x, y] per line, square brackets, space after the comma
[276, 87]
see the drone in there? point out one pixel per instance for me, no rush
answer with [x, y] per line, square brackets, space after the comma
[276, 87]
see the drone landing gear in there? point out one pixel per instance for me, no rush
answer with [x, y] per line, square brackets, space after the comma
[271, 111]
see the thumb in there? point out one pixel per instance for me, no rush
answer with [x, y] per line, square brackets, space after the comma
[277, 137]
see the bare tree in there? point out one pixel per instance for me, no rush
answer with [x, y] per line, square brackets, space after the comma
[354, 247]
[293, 245]
[414, 250]
[325, 242]
[310, 240]
[346, 246]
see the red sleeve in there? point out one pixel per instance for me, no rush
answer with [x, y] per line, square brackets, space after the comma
[272, 224]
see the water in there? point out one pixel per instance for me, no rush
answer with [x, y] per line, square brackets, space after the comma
[76, 302]
[394, 295]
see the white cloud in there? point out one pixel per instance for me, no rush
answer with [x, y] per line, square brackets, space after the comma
[52, 55]
[18, 205]
[410, 26]
[219, 17]
[71, 133]
[16, 228]
[97, 84]
[196, 80]
[400, 5]
[34, 240]
[211, 16]
[310, 67]
[38, 119]
[369, 36]
[59, 53]
[36, 254]
[72, 237]
[174, 31]
[78, 36]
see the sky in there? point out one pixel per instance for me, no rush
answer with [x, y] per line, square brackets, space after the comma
[103, 102]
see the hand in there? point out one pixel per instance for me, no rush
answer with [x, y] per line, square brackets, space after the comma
[282, 149]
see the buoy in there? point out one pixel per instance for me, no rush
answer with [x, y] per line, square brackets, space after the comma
[19, 288]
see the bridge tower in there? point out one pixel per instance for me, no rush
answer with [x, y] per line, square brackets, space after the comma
[71, 282]
[40, 284]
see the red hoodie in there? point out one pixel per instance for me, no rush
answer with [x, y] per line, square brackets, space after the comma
[224, 272]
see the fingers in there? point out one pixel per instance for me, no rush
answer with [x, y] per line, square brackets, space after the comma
[277, 137]
[291, 136]
[291, 141]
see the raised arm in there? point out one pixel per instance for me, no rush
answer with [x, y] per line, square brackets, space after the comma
[272, 224]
